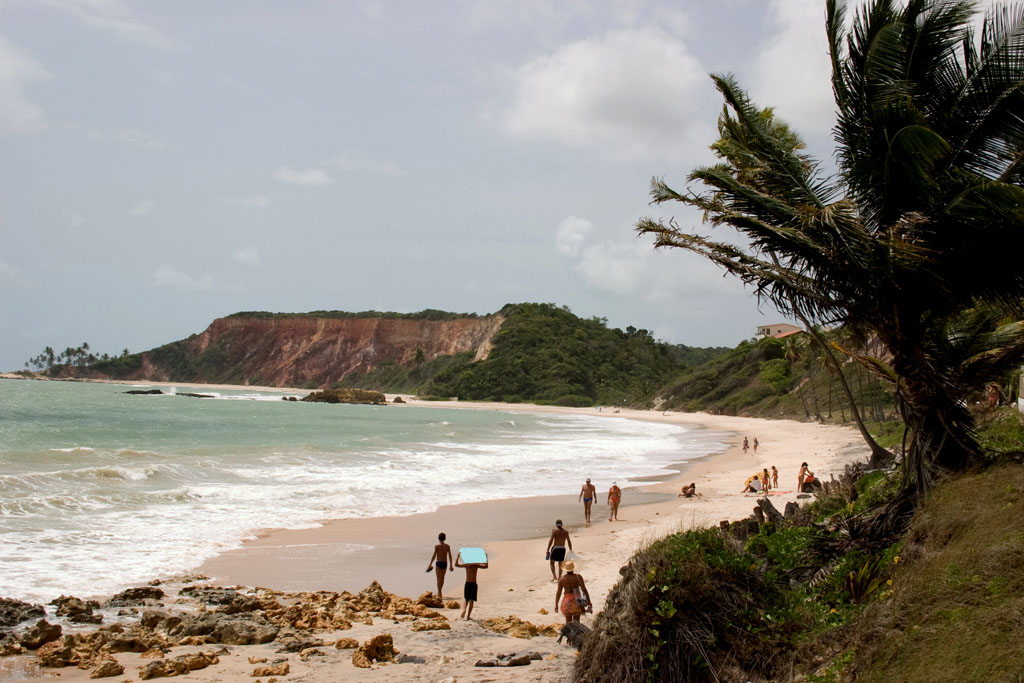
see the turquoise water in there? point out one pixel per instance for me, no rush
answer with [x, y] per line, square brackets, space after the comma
[100, 489]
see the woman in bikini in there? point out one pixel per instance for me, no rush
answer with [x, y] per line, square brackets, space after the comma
[577, 598]
[441, 561]
[614, 497]
[803, 475]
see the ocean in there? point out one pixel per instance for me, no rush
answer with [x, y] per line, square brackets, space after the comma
[101, 490]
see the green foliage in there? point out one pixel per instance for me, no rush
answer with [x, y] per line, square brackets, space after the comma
[546, 354]
[775, 373]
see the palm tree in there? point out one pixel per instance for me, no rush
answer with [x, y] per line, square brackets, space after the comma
[926, 217]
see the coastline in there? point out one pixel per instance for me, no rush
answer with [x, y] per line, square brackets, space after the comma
[348, 554]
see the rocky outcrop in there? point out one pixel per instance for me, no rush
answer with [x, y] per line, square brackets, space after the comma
[308, 351]
[355, 396]
[13, 612]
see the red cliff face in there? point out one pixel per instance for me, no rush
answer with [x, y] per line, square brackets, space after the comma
[316, 351]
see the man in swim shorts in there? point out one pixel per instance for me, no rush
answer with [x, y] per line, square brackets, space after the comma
[470, 590]
[441, 561]
[587, 494]
[556, 548]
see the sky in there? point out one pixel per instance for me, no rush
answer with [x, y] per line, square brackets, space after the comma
[167, 162]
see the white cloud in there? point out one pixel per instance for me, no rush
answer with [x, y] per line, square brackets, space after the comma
[792, 72]
[17, 112]
[358, 164]
[137, 137]
[631, 93]
[112, 16]
[310, 176]
[256, 201]
[571, 233]
[248, 256]
[165, 276]
[143, 208]
[12, 275]
[76, 220]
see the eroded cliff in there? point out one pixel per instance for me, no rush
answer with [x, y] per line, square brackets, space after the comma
[310, 351]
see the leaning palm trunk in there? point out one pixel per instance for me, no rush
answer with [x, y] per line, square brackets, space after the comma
[925, 222]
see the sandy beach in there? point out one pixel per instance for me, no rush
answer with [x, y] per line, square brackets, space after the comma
[395, 551]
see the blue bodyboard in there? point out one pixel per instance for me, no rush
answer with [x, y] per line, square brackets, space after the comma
[472, 555]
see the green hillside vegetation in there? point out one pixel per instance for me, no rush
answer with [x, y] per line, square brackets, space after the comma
[839, 591]
[545, 354]
[782, 378]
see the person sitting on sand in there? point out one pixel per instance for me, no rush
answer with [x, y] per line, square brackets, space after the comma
[587, 494]
[765, 479]
[775, 478]
[556, 548]
[577, 597]
[689, 491]
[753, 486]
[614, 498]
[441, 561]
[469, 592]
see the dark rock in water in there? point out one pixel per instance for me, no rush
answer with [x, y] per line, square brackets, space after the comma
[42, 633]
[357, 396]
[13, 612]
[9, 646]
[144, 392]
[77, 611]
[135, 596]
[191, 395]
[398, 399]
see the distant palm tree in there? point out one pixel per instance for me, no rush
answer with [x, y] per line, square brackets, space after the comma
[924, 222]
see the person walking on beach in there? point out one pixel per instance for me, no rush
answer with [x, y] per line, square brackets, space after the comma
[587, 494]
[441, 561]
[746, 445]
[577, 597]
[755, 445]
[556, 548]
[614, 498]
[765, 479]
[470, 591]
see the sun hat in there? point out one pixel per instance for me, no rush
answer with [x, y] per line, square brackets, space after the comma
[569, 566]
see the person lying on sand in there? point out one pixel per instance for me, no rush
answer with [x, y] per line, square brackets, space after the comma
[441, 561]
[577, 597]
[469, 592]
[556, 548]
[688, 491]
